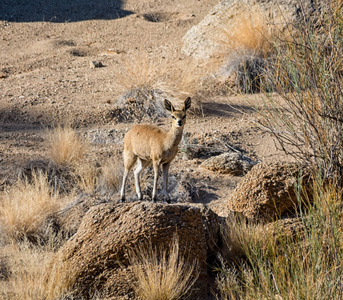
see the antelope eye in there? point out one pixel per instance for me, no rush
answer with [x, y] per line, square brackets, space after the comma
[184, 117]
[173, 117]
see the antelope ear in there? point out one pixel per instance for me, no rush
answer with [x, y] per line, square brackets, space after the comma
[187, 104]
[168, 105]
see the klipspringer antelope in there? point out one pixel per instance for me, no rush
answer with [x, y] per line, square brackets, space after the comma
[145, 144]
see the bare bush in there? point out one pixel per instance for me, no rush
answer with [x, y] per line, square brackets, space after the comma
[307, 73]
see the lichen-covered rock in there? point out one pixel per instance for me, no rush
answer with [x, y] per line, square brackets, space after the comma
[284, 229]
[268, 191]
[229, 163]
[96, 256]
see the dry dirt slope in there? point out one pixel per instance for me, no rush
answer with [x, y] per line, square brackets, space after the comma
[46, 79]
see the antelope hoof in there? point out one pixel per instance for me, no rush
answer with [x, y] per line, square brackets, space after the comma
[122, 200]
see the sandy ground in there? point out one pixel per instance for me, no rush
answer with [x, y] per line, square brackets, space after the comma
[46, 79]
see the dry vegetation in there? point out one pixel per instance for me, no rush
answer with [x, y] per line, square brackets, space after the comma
[246, 49]
[307, 124]
[162, 274]
[307, 73]
[25, 211]
[65, 146]
[26, 271]
[305, 265]
[26, 206]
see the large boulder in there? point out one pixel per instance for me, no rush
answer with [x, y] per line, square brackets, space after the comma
[95, 259]
[206, 39]
[268, 191]
[68, 219]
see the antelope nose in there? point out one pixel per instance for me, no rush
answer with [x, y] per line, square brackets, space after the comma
[179, 123]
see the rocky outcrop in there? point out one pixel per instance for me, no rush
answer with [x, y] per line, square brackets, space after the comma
[205, 39]
[268, 191]
[96, 257]
[68, 219]
[229, 163]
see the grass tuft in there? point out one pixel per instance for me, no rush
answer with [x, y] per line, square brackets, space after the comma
[27, 273]
[246, 48]
[162, 274]
[65, 146]
[111, 176]
[25, 207]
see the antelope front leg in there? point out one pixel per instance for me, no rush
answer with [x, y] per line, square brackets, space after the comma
[122, 192]
[165, 169]
[156, 173]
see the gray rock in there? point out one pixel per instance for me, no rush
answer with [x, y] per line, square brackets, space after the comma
[229, 163]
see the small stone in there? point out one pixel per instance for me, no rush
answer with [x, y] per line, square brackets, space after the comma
[95, 64]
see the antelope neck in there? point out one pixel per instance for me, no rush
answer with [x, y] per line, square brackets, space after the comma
[174, 135]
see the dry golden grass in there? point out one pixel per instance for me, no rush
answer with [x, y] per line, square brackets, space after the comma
[59, 282]
[111, 175]
[27, 266]
[249, 34]
[246, 45]
[65, 146]
[139, 72]
[162, 274]
[87, 176]
[236, 234]
[25, 206]
[142, 77]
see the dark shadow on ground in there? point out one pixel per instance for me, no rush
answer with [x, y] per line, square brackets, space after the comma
[205, 195]
[13, 117]
[225, 110]
[61, 11]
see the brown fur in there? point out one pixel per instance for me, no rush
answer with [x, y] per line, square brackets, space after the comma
[145, 144]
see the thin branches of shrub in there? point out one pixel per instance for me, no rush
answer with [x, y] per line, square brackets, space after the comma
[162, 274]
[308, 122]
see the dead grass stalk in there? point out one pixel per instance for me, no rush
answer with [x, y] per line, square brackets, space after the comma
[65, 146]
[25, 207]
[162, 274]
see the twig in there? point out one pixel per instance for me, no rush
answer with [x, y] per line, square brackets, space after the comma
[228, 146]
